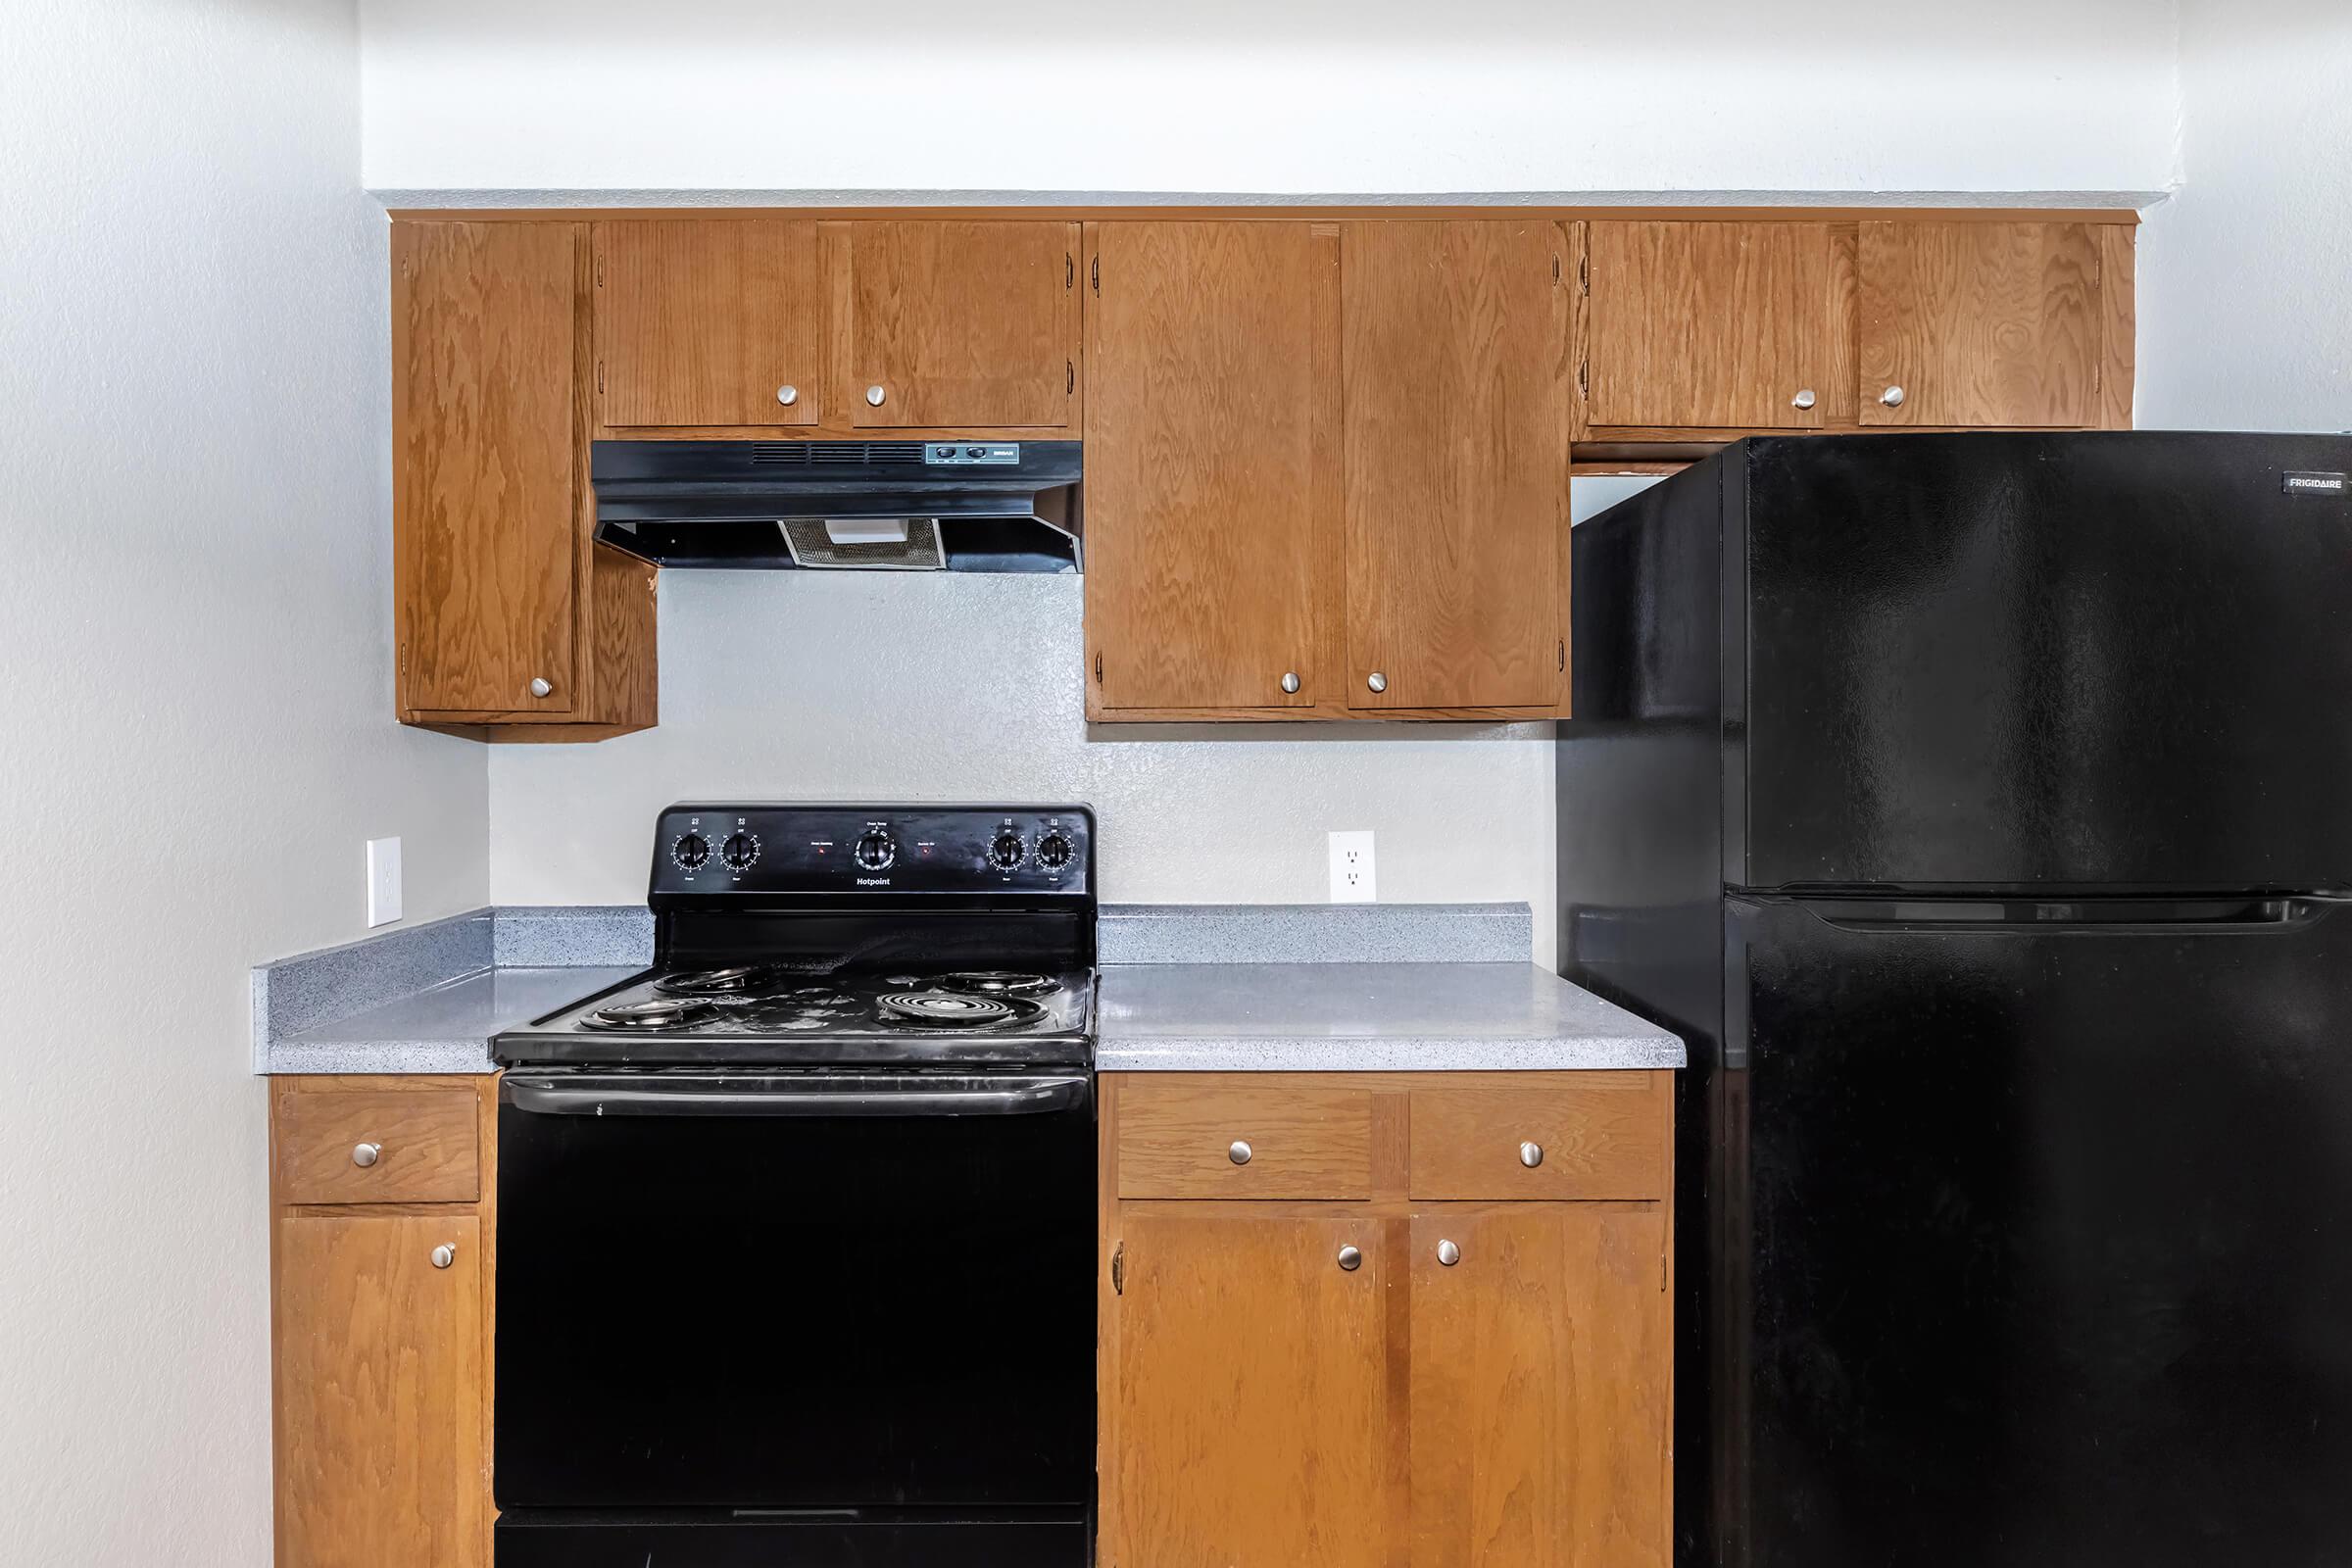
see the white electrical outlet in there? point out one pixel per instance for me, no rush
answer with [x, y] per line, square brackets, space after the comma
[383, 881]
[1352, 868]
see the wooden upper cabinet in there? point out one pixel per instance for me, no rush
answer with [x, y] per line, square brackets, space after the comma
[956, 323]
[1211, 463]
[1540, 1388]
[1718, 325]
[1249, 1408]
[486, 530]
[708, 321]
[380, 1391]
[1980, 323]
[1457, 461]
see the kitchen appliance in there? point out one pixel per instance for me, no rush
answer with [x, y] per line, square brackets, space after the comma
[904, 506]
[1979, 808]
[795, 1229]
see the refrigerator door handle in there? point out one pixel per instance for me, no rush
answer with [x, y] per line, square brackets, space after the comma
[2250, 914]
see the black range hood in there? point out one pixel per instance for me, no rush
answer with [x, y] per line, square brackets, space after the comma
[891, 506]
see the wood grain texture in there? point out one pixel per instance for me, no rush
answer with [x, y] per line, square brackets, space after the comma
[428, 1152]
[699, 324]
[379, 1383]
[484, 547]
[1251, 1393]
[623, 596]
[2118, 319]
[1980, 323]
[960, 322]
[1456, 428]
[1307, 1142]
[1211, 465]
[1706, 326]
[1599, 1132]
[1540, 1404]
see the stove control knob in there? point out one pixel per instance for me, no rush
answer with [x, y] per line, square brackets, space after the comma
[693, 851]
[1054, 851]
[1006, 850]
[740, 850]
[875, 850]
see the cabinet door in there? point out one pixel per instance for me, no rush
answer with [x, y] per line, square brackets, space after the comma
[1245, 1411]
[1980, 324]
[707, 321]
[1456, 458]
[1211, 477]
[956, 323]
[1541, 1395]
[1718, 325]
[485, 516]
[380, 1393]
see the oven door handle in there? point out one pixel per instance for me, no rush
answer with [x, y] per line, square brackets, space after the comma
[793, 1096]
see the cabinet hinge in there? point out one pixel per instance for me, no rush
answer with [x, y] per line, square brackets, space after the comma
[599, 378]
[1584, 276]
[1097, 668]
[1584, 378]
[1555, 271]
[1563, 656]
[1069, 377]
[1119, 1269]
[1094, 272]
[1069, 270]
[600, 272]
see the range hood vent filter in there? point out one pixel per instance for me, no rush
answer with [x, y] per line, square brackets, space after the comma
[867, 544]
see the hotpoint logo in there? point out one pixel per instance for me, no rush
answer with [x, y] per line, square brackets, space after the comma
[873, 881]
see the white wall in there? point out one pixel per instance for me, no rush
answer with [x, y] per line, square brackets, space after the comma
[195, 726]
[2246, 276]
[1246, 96]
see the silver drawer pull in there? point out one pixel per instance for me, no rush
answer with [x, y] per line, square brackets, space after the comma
[445, 1255]
[1448, 1254]
[1531, 1154]
[1350, 1259]
[1240, 1153]
[366, 1155]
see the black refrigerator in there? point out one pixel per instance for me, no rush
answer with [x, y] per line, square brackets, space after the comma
[1980, 810]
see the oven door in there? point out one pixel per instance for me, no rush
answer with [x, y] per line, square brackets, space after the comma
[805, 1298]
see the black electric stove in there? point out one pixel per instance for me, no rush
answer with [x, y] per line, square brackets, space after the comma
[837, 1145]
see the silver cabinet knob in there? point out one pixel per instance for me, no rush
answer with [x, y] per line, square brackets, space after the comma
[445, 1255]
[1531, 1154]
[874, 396]
[1803, 400]
[1377, 681]
[1350, 1259]
[366, 1155]
[1893, 397]
[1290, 680]
[1448, 1254]
[1239, 1154]
[788, 394]
[539, 686]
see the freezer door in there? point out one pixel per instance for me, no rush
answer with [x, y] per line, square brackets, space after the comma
[1997, 661]
[2033, 1239]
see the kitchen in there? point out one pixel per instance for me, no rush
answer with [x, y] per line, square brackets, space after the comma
[209, 654]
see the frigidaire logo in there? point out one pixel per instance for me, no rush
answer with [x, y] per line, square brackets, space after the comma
[2315, 484]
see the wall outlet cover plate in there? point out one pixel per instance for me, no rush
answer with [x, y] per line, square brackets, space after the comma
[1352, 873]
[383, 881]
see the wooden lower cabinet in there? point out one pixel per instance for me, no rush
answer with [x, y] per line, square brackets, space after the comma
[380, 1327]
[1396, 1380]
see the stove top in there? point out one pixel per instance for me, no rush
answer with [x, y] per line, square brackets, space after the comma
[850, 935]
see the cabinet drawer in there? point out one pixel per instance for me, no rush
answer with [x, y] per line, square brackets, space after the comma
[1180, 1139]
[1590, 1135]
[423, 1143]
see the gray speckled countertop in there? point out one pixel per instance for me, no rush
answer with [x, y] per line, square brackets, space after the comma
[428, 998]
[1184, 988]
[1343, 1017]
